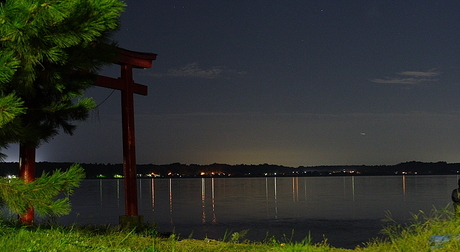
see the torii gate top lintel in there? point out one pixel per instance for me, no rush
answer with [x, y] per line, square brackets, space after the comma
[130, 59]
[136, 59]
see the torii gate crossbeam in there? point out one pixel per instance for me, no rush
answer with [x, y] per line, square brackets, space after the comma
[125, 83]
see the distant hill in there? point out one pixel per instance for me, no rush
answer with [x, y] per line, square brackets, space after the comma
[96, 170]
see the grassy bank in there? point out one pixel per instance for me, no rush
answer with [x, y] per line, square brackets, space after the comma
[412, 237]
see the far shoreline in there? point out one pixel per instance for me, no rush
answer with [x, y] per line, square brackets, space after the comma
[216, 170]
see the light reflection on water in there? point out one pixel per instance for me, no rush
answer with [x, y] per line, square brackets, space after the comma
[333, 206]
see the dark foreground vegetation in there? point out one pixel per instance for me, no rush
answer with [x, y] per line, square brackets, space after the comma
[416, 236]
[96, 170]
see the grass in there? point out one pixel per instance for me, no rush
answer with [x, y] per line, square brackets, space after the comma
[414, 236]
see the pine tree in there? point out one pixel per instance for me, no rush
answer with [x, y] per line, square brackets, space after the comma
[50, 52]
[48, 43]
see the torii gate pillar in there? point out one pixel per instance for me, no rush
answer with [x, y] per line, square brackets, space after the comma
[125, 83]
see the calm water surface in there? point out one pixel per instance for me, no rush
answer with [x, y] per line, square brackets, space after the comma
[346, 210]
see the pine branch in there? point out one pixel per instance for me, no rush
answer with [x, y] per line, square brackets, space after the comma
[42, 194]
[10, 107]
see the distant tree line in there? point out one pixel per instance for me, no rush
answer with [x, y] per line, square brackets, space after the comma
[98, 170]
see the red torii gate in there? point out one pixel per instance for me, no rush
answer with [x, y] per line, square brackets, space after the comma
[128, 61]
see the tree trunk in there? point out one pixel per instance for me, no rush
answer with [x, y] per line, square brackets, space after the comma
[27, 173]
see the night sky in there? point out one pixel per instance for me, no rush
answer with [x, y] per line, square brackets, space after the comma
[282, 82]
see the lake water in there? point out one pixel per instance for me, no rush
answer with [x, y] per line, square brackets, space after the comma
[346, 210]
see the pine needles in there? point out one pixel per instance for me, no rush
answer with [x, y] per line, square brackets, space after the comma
[43, 193]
